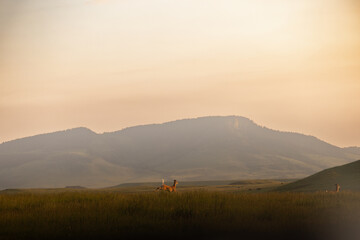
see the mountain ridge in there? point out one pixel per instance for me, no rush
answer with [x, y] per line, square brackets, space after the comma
[205, 148]
[350, 148]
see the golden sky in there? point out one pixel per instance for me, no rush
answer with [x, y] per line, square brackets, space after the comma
[106, 65]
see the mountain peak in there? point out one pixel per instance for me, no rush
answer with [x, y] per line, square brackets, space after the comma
[200, 123]
[79, 130]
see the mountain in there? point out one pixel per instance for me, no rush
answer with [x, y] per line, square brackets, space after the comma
[347, 176]
[206, 148]
[354, 150]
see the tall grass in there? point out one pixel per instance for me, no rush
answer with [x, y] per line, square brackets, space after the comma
[198, 214]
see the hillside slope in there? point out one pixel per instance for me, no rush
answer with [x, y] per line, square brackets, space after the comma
[207, 148]
[347, 176]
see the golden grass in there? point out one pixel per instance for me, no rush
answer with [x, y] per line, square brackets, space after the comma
[193, 214]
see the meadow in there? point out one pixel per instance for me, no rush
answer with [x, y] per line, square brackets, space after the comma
[193, 214]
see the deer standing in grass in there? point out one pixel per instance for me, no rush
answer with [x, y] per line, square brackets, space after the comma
[337, 186]
[168, 188]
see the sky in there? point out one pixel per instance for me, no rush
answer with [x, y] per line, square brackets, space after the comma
[110, 64]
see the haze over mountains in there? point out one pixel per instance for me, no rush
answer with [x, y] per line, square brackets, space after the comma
[206, 148]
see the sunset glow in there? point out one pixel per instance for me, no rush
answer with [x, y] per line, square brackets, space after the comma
[288, 65]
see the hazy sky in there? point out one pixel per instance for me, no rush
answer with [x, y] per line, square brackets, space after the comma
[106, 65]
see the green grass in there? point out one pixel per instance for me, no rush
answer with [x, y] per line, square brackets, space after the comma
[190, 214]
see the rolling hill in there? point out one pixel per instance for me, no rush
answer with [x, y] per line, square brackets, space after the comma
[347, 176]
[206, 148]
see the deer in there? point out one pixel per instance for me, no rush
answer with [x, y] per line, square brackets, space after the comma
[337, 187]
[168, 188]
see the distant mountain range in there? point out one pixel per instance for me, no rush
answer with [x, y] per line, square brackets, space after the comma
[347, 176]
[206, 148]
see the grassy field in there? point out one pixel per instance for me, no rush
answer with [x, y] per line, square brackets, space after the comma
[200, 214]
[260, 185]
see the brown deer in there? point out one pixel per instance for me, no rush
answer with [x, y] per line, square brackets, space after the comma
[337, 189]
[168, 188]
